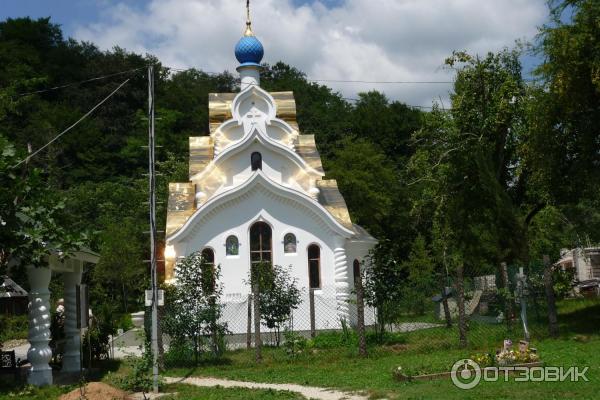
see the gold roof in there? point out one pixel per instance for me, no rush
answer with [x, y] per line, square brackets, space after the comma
[182, 195]
[201, 152]
[333, 201]
[306, 147]
[180, 206]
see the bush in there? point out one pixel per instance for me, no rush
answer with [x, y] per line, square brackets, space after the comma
[333, 339]
[294, 344]
[385, 338]
[180, 353]
[13, 327]
[124, 322]
[139, 375]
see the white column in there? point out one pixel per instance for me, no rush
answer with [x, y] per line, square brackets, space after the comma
[71, 357]
[342, 288]
[249, 76]
[39, 353]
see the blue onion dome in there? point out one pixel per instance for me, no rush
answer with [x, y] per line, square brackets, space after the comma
[249, 50]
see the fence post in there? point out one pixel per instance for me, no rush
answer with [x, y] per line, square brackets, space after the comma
[550, 298]
[257, 338]
[462, 318]
[249, 323]
[311, 303]
[360, 316]
[509, 308]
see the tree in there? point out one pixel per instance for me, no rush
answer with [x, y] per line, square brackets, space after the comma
[31, 216]
[564, 146]
[419, 285]
[193, 311]
[279, 294]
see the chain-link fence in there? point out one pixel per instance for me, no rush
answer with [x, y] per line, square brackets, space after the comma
[507, 301]
[498, 303]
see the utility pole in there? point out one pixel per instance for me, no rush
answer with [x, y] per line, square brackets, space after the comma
[152, 204]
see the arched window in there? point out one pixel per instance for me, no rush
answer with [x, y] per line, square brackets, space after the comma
[356, 270]
[232, 246]
[314, 266]
[289, 243]
[260, 243]
[208, 270]
[256, 161]
[209, 256]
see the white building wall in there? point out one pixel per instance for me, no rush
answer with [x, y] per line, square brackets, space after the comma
[283, 217]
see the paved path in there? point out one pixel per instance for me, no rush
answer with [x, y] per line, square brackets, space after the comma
[310, 392]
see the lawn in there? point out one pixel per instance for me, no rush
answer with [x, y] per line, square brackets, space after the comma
[431, 350]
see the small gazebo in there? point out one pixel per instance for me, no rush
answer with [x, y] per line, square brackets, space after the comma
[40, 353]
[13, 298]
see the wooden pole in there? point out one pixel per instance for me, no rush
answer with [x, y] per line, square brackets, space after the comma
[550, 298]
[152, 203]
[311, 303]
[462, 318]
[360, 316]
[257, 338]
[249, 325]
[509, 306]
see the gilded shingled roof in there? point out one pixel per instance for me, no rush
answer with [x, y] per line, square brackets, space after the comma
[306, 147]
[201, 153]
[333, 201]
[180, 206]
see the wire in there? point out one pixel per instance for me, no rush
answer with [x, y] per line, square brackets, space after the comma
[72, 126]
[78, 83]
[360, 81]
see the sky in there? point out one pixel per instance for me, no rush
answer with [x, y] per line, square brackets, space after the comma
[358, 40]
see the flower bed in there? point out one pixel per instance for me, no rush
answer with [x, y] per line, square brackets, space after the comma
[504, 358]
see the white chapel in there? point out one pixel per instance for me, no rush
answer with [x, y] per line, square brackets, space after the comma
[257, 191]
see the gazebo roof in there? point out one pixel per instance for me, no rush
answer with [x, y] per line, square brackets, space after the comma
[10, 288]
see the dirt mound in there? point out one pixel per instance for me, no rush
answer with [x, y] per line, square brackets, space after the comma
[96, 391]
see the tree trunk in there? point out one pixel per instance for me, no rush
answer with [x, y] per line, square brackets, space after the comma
[509, 304]
[550, 298]
[311, 303]
[249, 323]
[360, 316]
[257, 338]
[462, 318]
[161, 348]
[447, 315]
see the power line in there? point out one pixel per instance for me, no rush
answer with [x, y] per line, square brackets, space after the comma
[72, 126]
[78, 83]
[378, 82]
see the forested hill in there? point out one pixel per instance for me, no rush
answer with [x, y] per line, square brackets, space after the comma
[509, 174]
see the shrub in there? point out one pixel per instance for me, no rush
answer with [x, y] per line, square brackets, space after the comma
[193, 310]
[139, 375]
[333, 339]
[179, 354]
[13, 327]
[294, 344]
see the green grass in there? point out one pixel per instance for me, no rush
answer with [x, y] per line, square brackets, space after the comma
[189, 392]
[12, 391]
[426, 351]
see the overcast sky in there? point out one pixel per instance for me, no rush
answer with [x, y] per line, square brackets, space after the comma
[372, 40]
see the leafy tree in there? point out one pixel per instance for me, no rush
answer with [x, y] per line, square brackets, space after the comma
[564, 146]
[420, 284]
[383, 282]
[193, 311]
[30, 216]
[279, 294]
